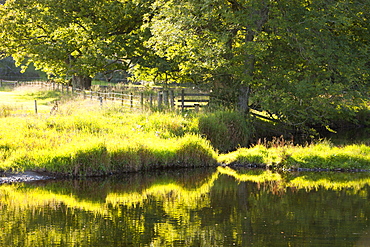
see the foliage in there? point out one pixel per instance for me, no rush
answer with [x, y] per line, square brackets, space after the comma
[304, 62]
[9, 71]
[78, 39]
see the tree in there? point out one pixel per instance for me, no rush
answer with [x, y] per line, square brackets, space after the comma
[300, 61]
[73, 38]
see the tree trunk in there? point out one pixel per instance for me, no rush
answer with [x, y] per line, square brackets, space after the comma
[244, 99]
[250, 60]
[81, 82]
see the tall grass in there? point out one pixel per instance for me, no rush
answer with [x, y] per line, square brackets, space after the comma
[84, 139]
[322, 155]
[225, 130]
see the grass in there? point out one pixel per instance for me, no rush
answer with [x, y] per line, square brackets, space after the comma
[85, 139]
[321, 155]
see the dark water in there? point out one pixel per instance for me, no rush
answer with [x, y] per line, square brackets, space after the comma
[202, 207]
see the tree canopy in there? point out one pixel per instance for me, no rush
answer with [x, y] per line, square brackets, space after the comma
[300, 61]
[73, 38]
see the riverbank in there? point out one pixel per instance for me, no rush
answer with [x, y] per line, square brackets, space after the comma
[84, 139]
[26, 176]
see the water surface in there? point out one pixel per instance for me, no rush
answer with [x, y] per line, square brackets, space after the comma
[200, 207]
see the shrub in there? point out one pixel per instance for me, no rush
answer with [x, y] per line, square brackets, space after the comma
[225, 130]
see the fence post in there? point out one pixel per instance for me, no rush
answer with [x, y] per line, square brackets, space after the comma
[160, 99]
[165, 97]
[141, 99]
[196, 107]
[151, 99]
[131, 100]
[101, 101]
[36, 106]
[1, 83]
[182, 100]
[172, 99]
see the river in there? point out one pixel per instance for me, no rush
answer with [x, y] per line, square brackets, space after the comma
[190, 207]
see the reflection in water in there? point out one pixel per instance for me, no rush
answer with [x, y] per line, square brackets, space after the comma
[202, 207]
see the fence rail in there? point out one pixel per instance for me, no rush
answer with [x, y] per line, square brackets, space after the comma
[161, 99]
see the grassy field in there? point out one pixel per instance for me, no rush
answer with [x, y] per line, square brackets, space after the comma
[84, 139]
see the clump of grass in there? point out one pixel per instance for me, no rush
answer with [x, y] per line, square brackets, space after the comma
[75, 159]
[187, 151]
[6, 110]
[80, 159]
[324, 155]
[258, 155]
[168, 125]
[321, 155]
[225, 130]
[194, 151]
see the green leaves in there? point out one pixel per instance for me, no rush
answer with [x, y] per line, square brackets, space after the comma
[295, 59]
[67, 38]
[303, 60]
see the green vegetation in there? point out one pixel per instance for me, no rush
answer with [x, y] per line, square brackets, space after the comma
[316, 156]
[226, 130]
[302, 63]
[84, 139]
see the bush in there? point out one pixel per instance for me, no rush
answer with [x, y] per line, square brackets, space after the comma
[225, 130]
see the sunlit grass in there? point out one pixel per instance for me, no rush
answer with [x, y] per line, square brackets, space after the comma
[321, 155]
[83, 138]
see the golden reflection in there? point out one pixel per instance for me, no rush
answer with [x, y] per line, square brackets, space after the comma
[174, 196]
[315, 181]
[165, 207]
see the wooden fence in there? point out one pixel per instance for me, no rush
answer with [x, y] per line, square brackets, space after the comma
[165, 98]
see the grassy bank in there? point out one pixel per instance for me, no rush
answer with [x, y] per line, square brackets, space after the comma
[84, 139]
[323, 155]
